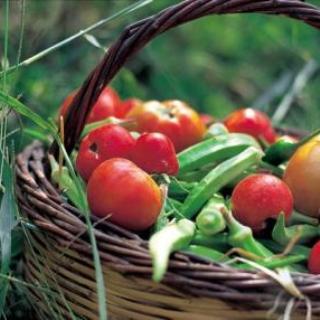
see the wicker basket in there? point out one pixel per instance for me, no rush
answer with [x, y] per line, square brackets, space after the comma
[58, 256]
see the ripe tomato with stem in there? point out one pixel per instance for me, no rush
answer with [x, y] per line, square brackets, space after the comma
[173, 118]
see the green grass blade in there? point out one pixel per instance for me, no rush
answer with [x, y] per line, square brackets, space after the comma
[22, 109]
[7, 223]
[132, 7]
[96, 257]
[21, 33]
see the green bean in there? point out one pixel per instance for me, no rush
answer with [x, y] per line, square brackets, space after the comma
[217, 178]
[214, 150]
[173, 237]
[210, 220]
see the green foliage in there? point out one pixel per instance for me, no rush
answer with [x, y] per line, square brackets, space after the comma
[217, 63]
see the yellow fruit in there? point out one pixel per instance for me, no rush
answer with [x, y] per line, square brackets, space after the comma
[302, 175]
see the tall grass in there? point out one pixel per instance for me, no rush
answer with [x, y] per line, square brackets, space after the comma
[8, 206]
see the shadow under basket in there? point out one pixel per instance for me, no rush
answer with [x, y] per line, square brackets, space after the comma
[58, 254]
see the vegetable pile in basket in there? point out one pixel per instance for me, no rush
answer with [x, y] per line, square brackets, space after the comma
[231, 192]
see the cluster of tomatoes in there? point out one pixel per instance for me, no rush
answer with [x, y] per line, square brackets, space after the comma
[118, 165]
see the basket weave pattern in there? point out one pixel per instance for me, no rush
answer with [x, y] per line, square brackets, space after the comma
[61, 254]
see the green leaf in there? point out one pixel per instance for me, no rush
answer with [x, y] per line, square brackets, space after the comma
[22, 109]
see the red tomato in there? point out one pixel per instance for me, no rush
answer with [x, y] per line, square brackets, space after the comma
[314, 259]
[107, 105]
[128, 105]
[259, 197]
[106, 142]
[131, 197]
[173, 118]
[154, 153]
[253, 122]
[206, 119]
[65, 105]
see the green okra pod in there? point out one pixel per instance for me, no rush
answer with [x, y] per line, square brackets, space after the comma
[277, 262]
[65, 182]
[197, 175]
[218, 241]
[180, 189]
[278, 248]
[213, 150]
[217, 178]
[241, 236]
[210, 220]
[216, 129]
[173, 237]
[283, 235]
[299, 218]
[207, 253]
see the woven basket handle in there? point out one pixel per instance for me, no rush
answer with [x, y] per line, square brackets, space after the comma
[137, 35]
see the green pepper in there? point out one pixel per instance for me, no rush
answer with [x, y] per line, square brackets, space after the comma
[173, 237]
[210, 220]
[213, 150]
[282, 150]
[217, 178]
[283, 235]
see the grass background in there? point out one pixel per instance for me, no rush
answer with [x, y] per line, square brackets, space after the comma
[216, 64]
